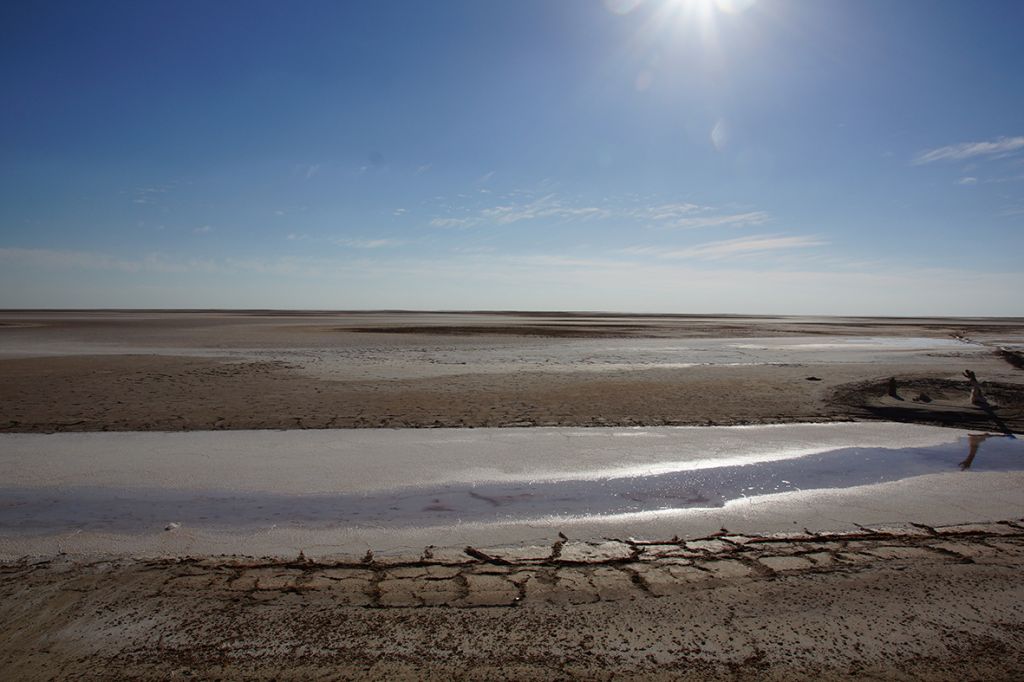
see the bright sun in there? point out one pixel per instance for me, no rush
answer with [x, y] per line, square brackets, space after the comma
[704, 8]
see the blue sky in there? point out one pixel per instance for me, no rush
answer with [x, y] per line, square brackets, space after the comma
[743, 156]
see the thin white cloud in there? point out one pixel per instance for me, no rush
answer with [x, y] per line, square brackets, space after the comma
[690, 215]
[149, 195]
[682, 215]
[424, 168]
[730, 248]
[969, 150]
[668, 211]
[368, 243]
[967, 181]
[747, 219]
[546, 207]
[205, 229]
[452, 222]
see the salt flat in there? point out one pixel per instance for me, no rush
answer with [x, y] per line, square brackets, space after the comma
[342, 492]
[169, 477]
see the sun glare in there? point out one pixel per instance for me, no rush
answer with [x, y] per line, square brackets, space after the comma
[699, 8]
[682, 16]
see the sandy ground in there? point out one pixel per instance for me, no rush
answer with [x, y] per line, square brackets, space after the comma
[908, 603]
[108, 371]
[883, 603]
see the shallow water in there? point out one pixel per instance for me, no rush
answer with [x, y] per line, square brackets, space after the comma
[405, 358]
[33, 510]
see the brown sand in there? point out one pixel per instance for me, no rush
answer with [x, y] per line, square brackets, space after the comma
[888, 603]
[144, 388]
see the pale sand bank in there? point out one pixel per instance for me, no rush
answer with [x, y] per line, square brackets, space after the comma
[329, 493]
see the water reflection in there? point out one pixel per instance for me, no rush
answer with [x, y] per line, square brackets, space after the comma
[974, 441]
[134, 510]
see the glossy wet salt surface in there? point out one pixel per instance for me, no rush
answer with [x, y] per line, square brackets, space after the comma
[383, 481]
[96, 508]
[366, 358]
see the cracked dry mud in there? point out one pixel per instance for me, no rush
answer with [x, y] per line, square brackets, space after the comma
[907, 601]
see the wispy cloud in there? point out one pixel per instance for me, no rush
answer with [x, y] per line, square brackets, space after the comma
[726, 220]
[683, 215]
[672, 211]
[368, 243]
[969, 180]
[730, 248]
[690, 215]
[549, 206]
[149, 195]
[970, 150]
[205, 229]
[453, 222]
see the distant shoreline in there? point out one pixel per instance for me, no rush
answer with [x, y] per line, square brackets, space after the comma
[185, 371]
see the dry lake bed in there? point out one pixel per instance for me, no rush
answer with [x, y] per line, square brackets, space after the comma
[229, 495]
